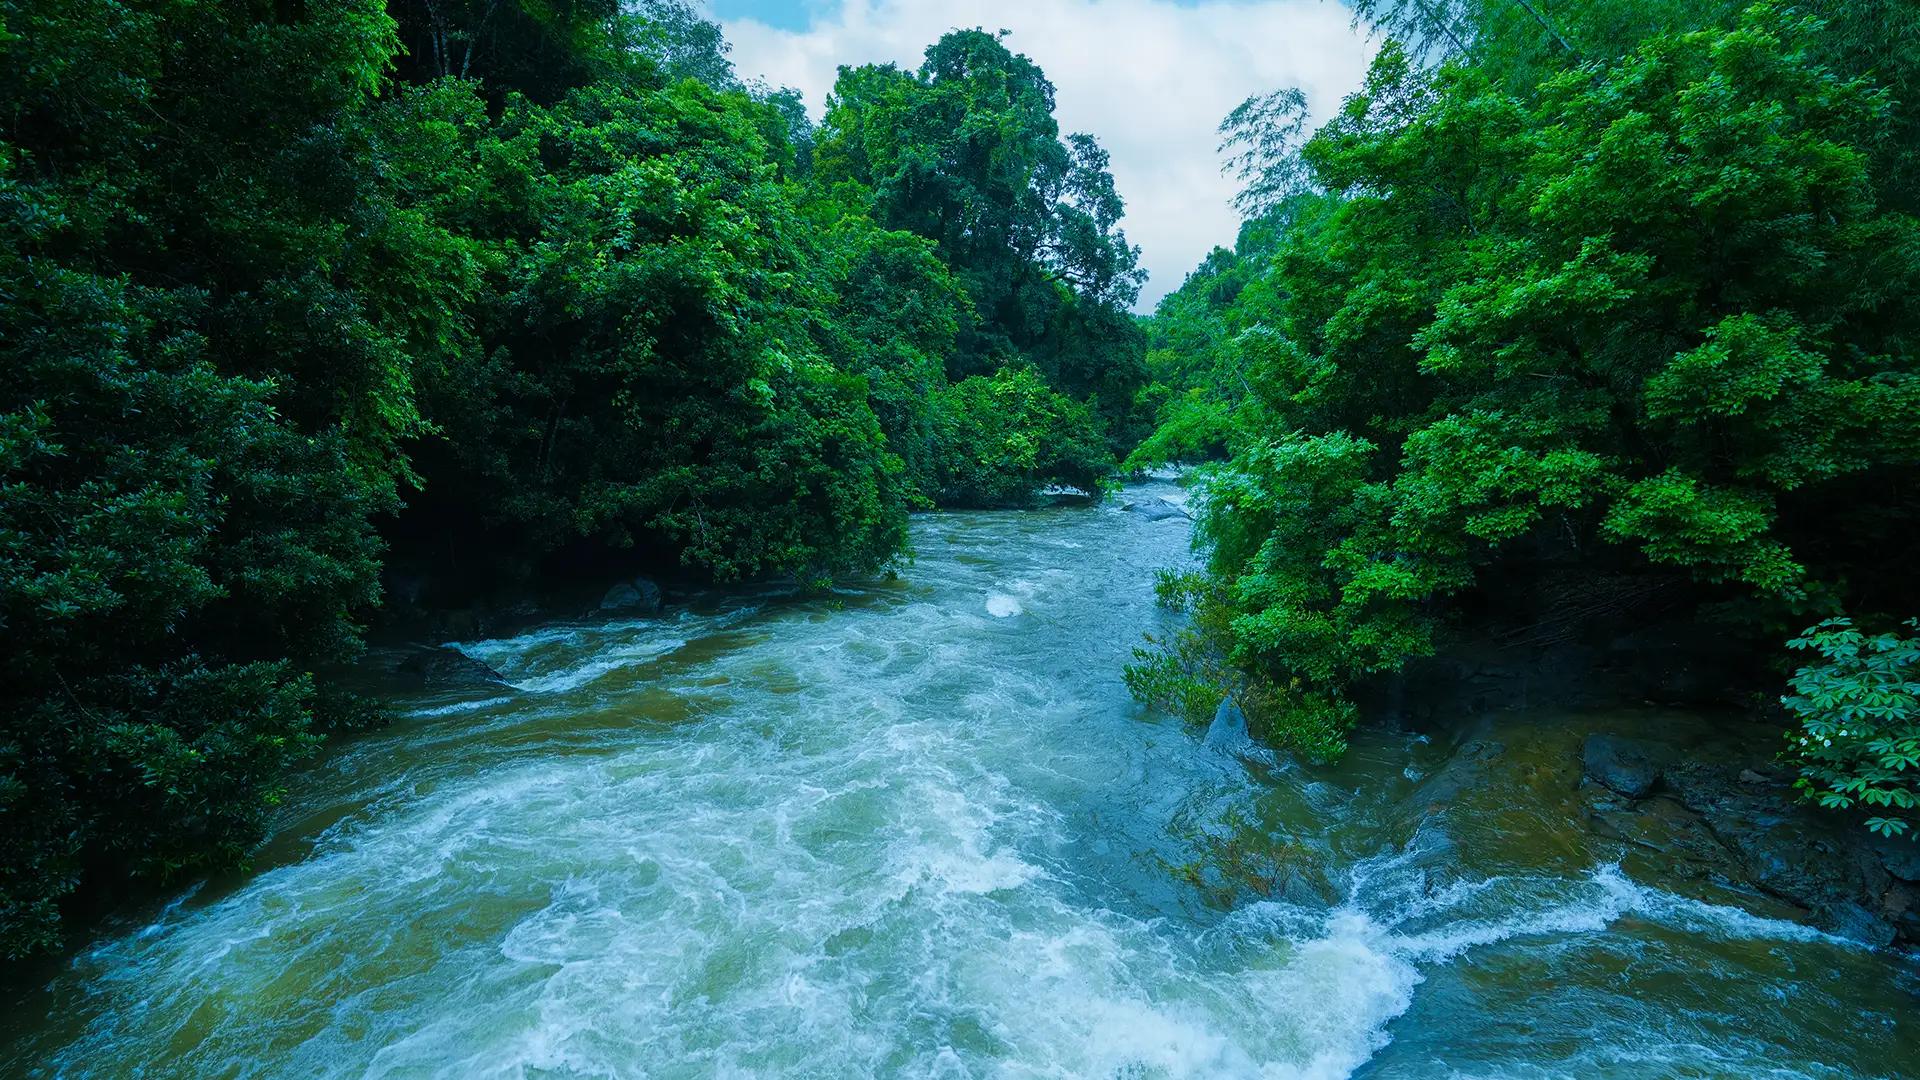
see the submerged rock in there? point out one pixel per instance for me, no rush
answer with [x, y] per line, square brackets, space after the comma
[441, 668]
[1623, 766]
[640, 594]
[1305, 887]
[1468, 768]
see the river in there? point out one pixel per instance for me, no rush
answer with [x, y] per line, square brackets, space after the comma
[918, 828]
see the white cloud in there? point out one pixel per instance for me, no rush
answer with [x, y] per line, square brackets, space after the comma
[1149, 78]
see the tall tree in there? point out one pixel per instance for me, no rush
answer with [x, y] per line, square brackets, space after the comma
[966, 152]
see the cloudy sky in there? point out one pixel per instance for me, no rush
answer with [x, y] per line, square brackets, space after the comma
[1149, 78]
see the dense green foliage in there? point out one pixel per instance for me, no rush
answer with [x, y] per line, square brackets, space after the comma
[289, 291]
[201, 410]
[648, 368]
[1541, 322]
[1859, 711]
[965, 152]
[1002, 436]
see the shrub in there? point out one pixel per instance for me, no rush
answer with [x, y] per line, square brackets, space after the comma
[1858, 740]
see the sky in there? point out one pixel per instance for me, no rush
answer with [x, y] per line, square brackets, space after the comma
[1150, 79]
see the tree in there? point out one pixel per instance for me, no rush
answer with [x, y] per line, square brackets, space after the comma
[966, 153]
[651, 378]
[509, 46]
[1004, 436]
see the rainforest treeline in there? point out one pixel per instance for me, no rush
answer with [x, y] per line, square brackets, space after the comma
[1574, 317]
[292, 289]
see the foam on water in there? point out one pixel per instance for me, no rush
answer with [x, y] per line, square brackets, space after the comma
[458, 707]
[561, 659]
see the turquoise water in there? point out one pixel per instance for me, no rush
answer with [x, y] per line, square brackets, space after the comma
[918, 828]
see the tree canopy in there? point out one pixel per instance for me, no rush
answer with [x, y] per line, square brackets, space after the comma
[966, 153]
[1545, 322]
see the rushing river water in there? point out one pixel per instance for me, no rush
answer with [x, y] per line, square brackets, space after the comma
[918, 828]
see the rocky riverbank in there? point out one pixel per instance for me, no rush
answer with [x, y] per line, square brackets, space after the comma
[1664, 756]
[1731, 817]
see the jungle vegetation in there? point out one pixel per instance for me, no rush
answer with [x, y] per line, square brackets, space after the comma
[292, 290]
[1561, 311]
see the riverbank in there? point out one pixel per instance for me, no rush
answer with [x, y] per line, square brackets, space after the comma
[1671, 745]
[1686, 801]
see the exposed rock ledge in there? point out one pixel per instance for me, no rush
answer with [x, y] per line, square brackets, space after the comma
[1737, 822]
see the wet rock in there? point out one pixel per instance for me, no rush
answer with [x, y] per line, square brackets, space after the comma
[1702, 786]
[1698, 808]
[1899, 856]
[639, 595]
[1813, 859]
[1067, 496]
[1157, 510]
[440, 668]
[1468, 768]
[1851, 921]
[1305, 888]
[1621, 765]
[1900, 905]
[1664, 826]
[1671, 846]
[1228, 729]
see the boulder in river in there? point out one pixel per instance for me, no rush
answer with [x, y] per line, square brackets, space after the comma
[440, 668]
[1624, 766]
[1229, 727]
[1155, 510]
[1466, 769]
[640, 594]
[1900, 855]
